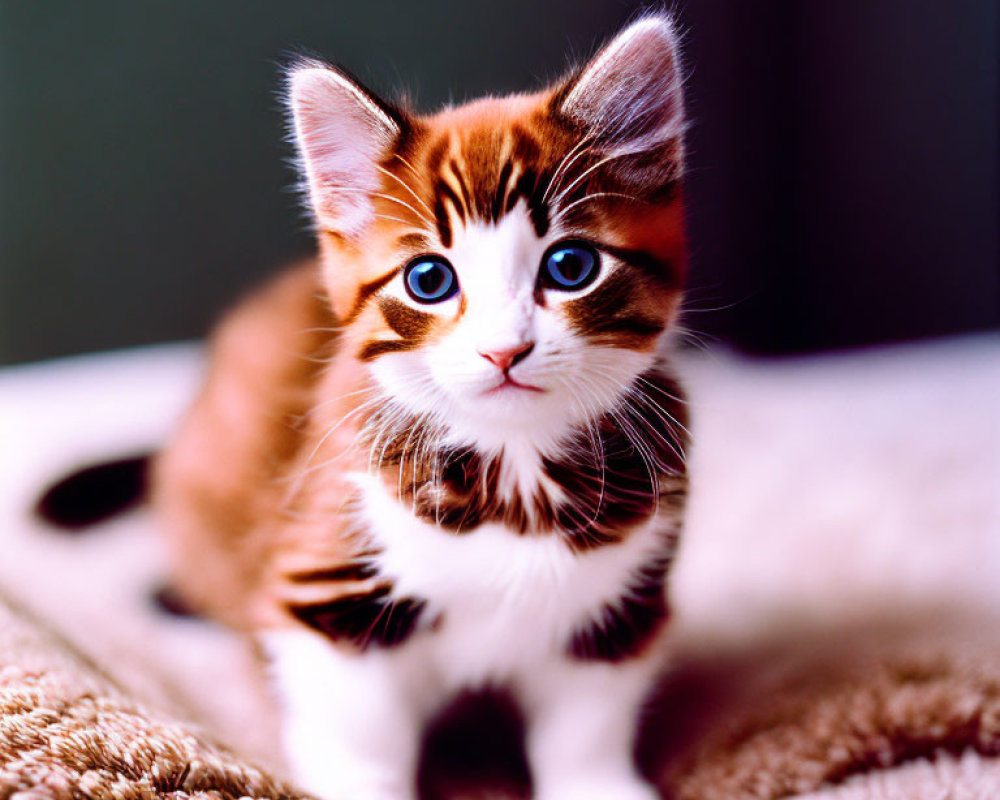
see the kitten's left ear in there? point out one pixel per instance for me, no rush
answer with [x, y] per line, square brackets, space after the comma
[343, 131]
[629, 97]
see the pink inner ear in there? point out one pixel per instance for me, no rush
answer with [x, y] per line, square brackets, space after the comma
[342, 134]
[631, 92]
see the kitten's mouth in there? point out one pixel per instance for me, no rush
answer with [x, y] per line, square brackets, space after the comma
[510, 385]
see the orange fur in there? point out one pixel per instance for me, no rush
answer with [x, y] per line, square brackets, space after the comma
[222, 475]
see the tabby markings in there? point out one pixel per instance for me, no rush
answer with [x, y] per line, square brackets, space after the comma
[605, 488]
[363, 613]
[363, 619]
[472, 184]
[359, 571]
[409, 324]
[613, 314]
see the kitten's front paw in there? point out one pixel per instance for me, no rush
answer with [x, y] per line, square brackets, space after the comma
[598, 787]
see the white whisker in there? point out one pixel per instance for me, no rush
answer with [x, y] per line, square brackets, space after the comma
[406, 186]
[575, 152]
[393, 219]
[382, 195]
[584, 174]
[408, 165]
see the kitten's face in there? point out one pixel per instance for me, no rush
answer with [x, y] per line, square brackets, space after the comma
[511, 350]
[508, 266]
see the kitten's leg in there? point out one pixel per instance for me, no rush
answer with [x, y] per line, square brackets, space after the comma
[352, 721]
[582, 720]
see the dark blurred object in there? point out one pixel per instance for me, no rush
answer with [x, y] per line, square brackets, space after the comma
[843, 170]
[168, 600]
[843, 181]
[96, 493]
[474, 748]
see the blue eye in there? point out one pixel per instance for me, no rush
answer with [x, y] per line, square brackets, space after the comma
[570, 266]
[430, 279]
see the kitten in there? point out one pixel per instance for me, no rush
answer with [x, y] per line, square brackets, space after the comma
[476, 477]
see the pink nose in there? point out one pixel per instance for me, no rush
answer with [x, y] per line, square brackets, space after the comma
[507, 358]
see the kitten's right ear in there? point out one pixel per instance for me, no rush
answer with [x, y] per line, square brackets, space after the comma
[629, 97]
[343, 132]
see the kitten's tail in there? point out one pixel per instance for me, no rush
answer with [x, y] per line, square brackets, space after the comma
[96, 493]
[99, 492]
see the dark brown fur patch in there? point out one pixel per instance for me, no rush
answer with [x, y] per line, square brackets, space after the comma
[464, 495]
[442, 221]
[533, 181]
[636, 468]
[444, 192]
[356, 571]
[409, 323]
[379, 347]
[663, 273]
[364, 619]
[500, 205]
[482, 151]
[366, 291]
[463, 186]
[622, 629]
[617, 313]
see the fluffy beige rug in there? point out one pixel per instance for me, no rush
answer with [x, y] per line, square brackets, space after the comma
[835, 596]
[66, 731]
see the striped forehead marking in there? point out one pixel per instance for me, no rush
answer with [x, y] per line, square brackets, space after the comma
[482, 175]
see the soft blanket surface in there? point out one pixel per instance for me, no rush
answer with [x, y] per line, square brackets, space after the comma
[66, 732]
[835, 594]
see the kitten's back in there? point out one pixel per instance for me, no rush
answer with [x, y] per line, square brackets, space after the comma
[220, 476]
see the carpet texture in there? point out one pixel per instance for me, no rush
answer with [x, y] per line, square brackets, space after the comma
[843, 711]
[67, 732]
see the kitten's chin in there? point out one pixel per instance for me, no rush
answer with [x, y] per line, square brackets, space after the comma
[509, 402]
[494, 417]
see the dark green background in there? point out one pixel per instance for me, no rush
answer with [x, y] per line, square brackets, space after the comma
[844, 155]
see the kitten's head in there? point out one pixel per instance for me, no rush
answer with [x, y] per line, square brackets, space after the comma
[510, 265]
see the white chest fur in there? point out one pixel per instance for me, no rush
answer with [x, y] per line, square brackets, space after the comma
[503, 601]
[500, 609]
